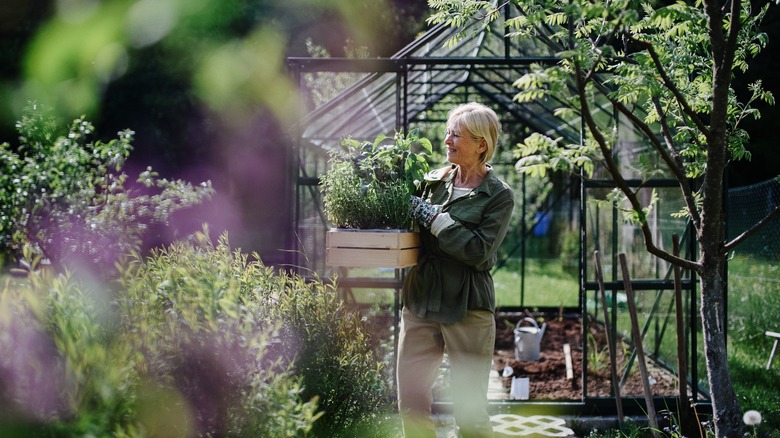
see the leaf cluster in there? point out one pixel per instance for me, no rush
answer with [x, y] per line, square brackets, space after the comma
[67, 196]
[368, 184]
[655, 61]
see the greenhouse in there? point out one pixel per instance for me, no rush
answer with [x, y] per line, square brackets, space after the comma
[560, 221]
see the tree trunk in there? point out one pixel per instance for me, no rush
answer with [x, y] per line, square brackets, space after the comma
[725, 406]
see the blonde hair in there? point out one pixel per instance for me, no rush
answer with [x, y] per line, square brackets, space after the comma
[480, 121]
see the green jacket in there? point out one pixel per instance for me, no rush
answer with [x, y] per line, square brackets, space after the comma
[453, 273]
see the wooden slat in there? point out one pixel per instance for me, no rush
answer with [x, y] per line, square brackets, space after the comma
[371, 258]
[372, 248]
[372, 239]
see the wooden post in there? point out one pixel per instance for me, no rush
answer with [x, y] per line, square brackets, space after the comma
[567, 359]
[682, 352]
[610, 340]
[640, 352]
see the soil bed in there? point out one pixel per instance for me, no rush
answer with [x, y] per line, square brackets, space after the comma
[547, 376]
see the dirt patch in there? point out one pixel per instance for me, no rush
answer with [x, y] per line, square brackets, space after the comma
[547, 376]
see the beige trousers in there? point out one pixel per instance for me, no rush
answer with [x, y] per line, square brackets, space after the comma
[469, 346]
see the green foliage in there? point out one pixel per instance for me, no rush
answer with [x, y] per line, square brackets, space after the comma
[368, 184]
[333, 355]
[308, 332]
[60, 357]
[198, 340]
[539, 154]
[67, 196]
[598, 356]
[652, 64]
[149, 359]
[203, 310]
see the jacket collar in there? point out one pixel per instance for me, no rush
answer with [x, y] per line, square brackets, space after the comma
[447, 173]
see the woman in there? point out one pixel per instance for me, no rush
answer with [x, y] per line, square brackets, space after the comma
[448, 297]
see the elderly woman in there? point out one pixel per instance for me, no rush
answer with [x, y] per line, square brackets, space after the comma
[448, 297]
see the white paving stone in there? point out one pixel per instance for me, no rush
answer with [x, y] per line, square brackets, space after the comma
[531, 426]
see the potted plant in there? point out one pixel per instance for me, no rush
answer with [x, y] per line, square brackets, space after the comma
[366, 196]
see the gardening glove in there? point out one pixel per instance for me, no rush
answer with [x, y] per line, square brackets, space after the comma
[423, 211]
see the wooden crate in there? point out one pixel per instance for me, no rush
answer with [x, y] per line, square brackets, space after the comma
[372, 248]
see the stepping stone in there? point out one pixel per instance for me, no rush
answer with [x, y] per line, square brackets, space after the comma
[532, 426]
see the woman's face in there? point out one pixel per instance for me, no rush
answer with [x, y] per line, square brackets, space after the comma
[463, 149]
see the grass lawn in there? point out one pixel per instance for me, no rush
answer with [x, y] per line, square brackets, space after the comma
[546, 284]
[754, 307]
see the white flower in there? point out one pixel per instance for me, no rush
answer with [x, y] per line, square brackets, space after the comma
[752, 418]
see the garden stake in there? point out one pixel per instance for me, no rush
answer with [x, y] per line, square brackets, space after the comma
[612, 353]
[682, 357]
[651, 416]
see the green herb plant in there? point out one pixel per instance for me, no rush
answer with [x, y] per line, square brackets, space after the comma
[368, 184]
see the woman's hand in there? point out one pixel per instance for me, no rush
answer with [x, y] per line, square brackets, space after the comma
[423, 211]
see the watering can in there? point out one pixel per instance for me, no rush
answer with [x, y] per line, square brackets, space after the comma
[528, 339]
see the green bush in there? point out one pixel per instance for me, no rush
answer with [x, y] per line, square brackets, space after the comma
[196, 340]
[62, 364]
[313, 335]
[334, 355]
[69, 199]
[182, 349]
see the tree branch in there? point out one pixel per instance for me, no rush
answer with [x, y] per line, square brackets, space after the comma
[621, 182]
[752, 230]
[675, 162]
[671, 86]
[673, 165]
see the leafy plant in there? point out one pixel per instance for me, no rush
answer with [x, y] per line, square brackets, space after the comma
[183, 348]
[295, 326]
[69, 198]
[598, 356]
[368, 184]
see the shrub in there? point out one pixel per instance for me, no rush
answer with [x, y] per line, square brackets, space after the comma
[312, 333]
[62, 365]
[196, 340]
[334, 355]
[178, 351]
[69, 199]
[368, 185]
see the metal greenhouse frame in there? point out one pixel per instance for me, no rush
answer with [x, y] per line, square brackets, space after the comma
[409, 90]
